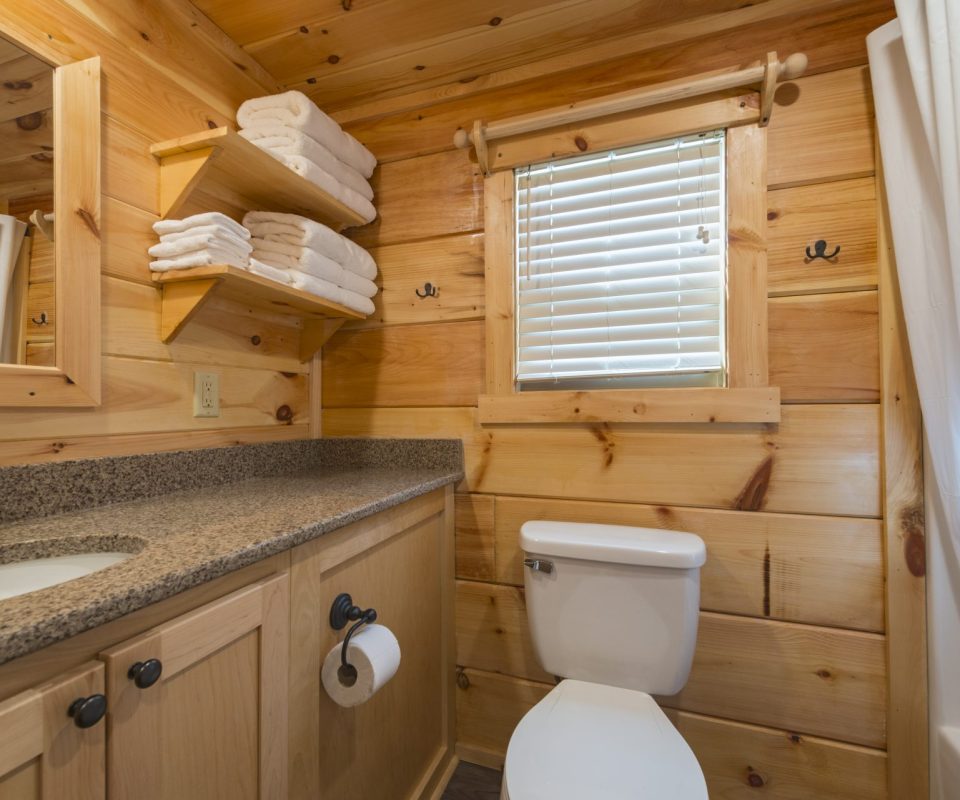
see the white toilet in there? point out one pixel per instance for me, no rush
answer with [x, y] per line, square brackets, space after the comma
[613, 610]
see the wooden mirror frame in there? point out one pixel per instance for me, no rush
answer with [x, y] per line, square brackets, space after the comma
[75, 380]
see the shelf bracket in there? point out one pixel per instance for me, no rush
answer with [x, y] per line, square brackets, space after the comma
[315, 334]
[179, 175]
[181, 301]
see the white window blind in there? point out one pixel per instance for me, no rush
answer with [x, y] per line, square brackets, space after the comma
[621, 264]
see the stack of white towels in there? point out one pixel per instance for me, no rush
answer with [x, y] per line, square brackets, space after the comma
[285, 248]
[311, 257]
[291, 128]
[200, 241]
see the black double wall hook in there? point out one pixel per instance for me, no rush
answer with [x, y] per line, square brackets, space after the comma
[429, 290]
[341, 612]
[820, 251]
[42, 321]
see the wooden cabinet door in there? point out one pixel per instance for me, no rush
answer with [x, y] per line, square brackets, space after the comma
[214, 723]
[396, 745]
[44, 754]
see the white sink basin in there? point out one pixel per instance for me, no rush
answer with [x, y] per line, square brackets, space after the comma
[21, 577]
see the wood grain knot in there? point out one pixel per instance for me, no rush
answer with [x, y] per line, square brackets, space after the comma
[824, 674]
[255, 340]
[284, 413]
[914, 541]
[304, 29]
[311, 81]
[754, 493]
[581, 143]
[754, 779]
[914, 554]
[420, 68]
[18, 86]
[30, 122]
[495, 21]
[772, 215]
[463, 680]
[333, 59]
[89, 221]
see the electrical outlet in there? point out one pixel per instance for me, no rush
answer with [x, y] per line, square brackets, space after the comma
[206, 394]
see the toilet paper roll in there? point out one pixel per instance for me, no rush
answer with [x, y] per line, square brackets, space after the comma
[375, 654]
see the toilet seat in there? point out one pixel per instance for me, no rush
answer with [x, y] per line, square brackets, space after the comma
[588, 740]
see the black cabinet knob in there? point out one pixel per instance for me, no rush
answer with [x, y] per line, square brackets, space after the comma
[145, 673]
[88, 711]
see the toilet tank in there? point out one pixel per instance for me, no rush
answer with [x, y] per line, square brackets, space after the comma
[613, 604]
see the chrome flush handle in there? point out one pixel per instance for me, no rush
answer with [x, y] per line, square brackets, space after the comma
[539, 565]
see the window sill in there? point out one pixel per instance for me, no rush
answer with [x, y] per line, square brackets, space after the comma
[716, 405]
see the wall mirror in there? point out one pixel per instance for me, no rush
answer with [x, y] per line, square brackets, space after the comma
[49, 229]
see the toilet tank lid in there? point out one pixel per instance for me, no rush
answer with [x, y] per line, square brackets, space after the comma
[613, 544]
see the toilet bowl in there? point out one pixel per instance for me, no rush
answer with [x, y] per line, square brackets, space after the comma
[586, 740]
[613, 610]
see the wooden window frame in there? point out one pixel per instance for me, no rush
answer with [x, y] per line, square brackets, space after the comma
[747, 396]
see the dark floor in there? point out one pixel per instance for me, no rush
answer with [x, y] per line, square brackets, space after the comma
[471, 782]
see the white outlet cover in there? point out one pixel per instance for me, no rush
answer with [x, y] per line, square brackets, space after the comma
[206, 394]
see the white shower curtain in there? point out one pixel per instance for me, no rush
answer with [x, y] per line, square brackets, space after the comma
[12, 232]
[915, 70]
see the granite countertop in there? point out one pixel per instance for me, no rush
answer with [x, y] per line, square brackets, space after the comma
[183, 538]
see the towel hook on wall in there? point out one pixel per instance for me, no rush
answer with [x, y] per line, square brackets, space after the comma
[43, 223]
[429, 290]
[820, 251]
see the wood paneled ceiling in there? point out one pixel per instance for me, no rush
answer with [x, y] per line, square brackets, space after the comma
[342, 52]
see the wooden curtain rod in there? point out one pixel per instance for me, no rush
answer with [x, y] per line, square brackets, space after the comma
[766, 75]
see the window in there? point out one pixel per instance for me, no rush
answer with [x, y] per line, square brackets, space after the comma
[621, 267]
[601, 286]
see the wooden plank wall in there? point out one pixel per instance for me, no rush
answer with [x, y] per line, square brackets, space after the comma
[787, 697]
[162, 78]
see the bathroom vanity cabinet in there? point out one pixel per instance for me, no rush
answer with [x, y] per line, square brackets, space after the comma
[216, 692]
[44, 754]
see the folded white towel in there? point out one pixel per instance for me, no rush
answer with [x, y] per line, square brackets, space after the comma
[189, 244]
[330, 291]
[312, 263]
[295, 109]
[318, 176]
[206, 230]
[271, 273]
[274, 245]
[200, 258]
[303, 232]
[166, 226]
[283, 140]
[274, 259]
[352, 282]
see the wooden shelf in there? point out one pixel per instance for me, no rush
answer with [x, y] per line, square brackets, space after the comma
[221, 163]
[186, 291]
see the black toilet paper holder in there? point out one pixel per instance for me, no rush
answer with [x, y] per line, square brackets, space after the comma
[343, 611]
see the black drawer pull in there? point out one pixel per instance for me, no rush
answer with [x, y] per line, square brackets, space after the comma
[145, 673]
[88, 711]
